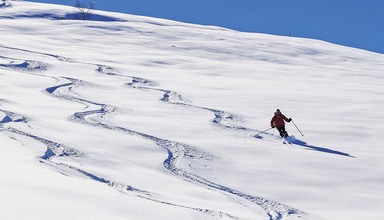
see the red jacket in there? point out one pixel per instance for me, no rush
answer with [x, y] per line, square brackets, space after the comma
[278, 120]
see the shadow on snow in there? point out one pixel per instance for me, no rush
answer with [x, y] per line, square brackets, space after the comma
[300, 143]
[316, 148]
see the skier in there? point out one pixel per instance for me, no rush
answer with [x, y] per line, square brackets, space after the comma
[278, 122]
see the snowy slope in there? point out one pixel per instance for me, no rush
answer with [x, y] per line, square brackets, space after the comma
[129, 117]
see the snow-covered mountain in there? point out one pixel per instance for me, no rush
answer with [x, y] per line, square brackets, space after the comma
[129, 117]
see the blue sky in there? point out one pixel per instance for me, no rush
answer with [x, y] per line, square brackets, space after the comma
[355, 23]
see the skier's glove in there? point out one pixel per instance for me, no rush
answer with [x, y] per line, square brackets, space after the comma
[273, 126]
[290, 119]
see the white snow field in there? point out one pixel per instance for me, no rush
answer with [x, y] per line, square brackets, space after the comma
[130, 117]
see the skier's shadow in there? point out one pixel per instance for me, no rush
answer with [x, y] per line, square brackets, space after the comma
[316, 148]
[298, 142]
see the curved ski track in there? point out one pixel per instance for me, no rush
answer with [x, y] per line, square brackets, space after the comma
[55, 149]
[275, 210]
[176, 151]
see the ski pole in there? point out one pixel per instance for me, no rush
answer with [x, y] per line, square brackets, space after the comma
[263, 131]
[297, 128]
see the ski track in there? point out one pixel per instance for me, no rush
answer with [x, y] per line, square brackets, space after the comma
[55, 149]
[170, 96]
[27, 66]
[60, 58]
[178, 153]
[275, 210]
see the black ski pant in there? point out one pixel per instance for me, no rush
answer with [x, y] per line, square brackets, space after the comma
[282, 131]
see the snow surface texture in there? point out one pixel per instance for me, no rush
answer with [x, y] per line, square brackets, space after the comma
[128, 117]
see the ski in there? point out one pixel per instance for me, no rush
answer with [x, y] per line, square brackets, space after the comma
[286, 142]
